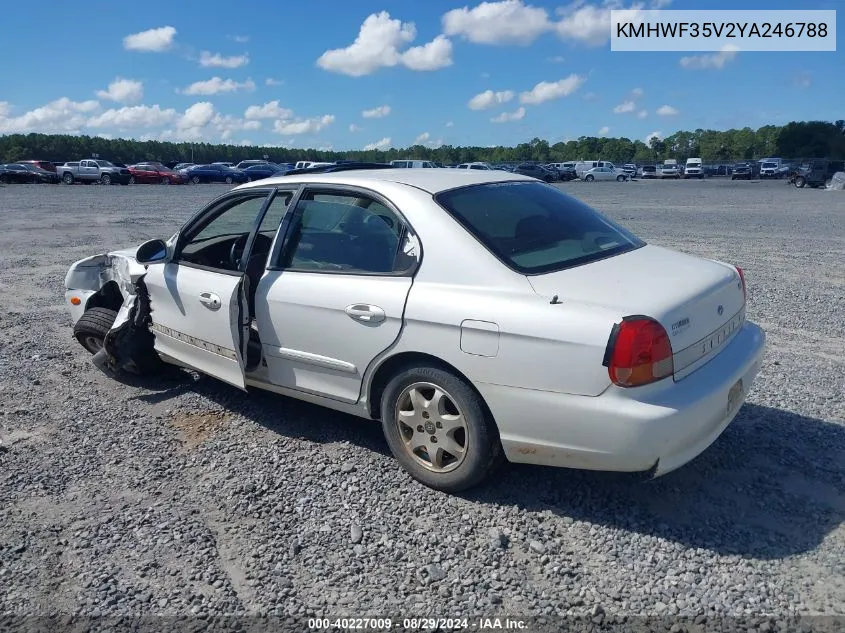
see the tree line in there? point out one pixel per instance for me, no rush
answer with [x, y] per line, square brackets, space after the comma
[798, 139]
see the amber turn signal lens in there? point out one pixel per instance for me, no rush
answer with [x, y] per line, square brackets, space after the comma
[75, 300]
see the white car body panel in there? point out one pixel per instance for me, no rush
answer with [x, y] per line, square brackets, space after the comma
[536, 360]
[309, 340]
[190, 332]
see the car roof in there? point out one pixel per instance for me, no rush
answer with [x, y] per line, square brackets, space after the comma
[431, 180]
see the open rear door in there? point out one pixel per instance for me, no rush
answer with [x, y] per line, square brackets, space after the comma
[200, 319]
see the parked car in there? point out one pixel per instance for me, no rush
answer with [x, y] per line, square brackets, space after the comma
[648, 171]
[816, 173]
[573, 369]
[537, 171]
[413, 164]
[89, 171]
[215, 173]
[604, 173]
[583, 166]
[46, 165]
[253, 161]
[475, 165]
[183, 166]
[742, 171]
[26, 174]
[630, 170]
[224, 164]
[155, 173]
[668, 171]
[257, 172]
[693, 168]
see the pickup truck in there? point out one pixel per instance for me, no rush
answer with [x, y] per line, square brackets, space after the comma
[89, 171]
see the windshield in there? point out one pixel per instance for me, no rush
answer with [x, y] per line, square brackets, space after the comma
[770, 165]
[534, 228]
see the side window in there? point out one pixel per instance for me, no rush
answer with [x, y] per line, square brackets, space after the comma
[210, 242]
[344, 233]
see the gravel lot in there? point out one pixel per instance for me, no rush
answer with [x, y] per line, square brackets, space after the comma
[185, 496]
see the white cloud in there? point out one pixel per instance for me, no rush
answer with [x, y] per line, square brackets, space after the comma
[658, 135]
[303, 126]
[273, 82]
[152, 41]
[505, 22]
[505, 117]
[127, 91]
[61, 115]
[382, 144]
[197, 116]
[604, 131]
[240, 39]
[133, 117]
[637, 93]
[354, 128]
[378, 45]
[591, 96]
[590, 24]
[450, 123]
[216, 60]
[422, 138]
[216, 85]
[557, 59]
[549, 90]
[713, 60]
[376, 113]
[625, 106]
[642, 114]
[667, 110]
[270, 110]
[488, 99]
[434, 55]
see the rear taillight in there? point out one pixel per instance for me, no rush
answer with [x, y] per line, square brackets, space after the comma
[638, 352]
[742, 280]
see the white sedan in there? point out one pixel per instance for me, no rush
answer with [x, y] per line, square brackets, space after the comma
[604, 173]
[479, 315]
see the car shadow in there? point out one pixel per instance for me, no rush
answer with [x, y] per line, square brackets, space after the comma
[772, 486]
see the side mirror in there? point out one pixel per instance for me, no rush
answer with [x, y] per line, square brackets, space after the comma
[151, 252]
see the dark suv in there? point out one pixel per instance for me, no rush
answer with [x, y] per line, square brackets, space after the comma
[537, 171]
[742, 171]
[816, 173]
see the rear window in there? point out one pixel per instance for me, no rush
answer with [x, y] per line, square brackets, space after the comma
[534, 228]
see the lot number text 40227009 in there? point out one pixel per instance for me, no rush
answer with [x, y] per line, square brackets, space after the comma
[416, 624]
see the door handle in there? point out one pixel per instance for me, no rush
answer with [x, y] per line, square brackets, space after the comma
[365, 313]
[210, 300]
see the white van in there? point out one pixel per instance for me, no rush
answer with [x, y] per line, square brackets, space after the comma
[693, 168]
[586, 165]
[413, 164]
[476, 165]
[305, 164]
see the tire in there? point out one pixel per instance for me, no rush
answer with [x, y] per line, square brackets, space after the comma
[195, 180]
[4, 180]
[131, 180]
[165, 180]
[92, 327]
[67, 178]
[229, 180]
[620, 179]
[800, 182]
[589, 178]
[477, 436]
[105, 179]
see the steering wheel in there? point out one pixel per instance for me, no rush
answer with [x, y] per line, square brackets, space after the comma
[237, 250]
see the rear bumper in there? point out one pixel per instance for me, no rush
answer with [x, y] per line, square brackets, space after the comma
[660, 426]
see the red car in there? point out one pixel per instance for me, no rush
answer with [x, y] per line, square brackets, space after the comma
[155, 173]
[46, 165]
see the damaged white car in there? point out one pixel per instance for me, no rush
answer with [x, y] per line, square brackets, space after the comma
[479, 315]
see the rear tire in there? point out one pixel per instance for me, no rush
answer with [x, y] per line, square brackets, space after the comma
[800, 182]
[620, 179]
[92, 327]
[195, 180]
[229, 180]
[411, 397]
[132, 180]
[67, 178]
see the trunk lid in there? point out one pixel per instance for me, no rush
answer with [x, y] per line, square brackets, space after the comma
[699, 302]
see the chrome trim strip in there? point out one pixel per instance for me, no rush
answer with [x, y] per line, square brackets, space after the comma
[311, 359]
[194, 341]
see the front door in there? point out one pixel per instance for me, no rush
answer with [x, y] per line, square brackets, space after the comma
[334, 296]
[198, 298]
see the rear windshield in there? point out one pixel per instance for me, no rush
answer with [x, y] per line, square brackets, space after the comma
[534, 228]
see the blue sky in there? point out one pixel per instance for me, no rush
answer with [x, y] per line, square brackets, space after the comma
[276, 73]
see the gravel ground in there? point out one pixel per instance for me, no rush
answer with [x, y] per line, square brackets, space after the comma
[184, 496]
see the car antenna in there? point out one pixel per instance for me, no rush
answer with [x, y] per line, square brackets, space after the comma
[555, 300]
